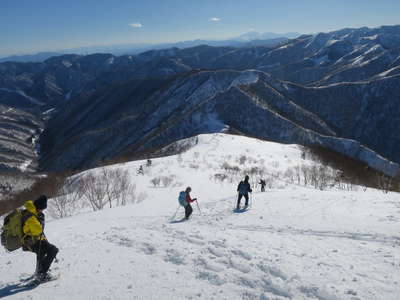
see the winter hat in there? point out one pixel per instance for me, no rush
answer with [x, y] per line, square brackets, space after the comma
[188, 189]
[41, 202]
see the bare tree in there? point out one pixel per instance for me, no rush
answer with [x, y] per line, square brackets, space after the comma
[117, 186]
[196, 155]
[94, 191]
[305, 172]
[194, 166]
[384, 183]
[225, 166]
[242, 159]
[270, 180]
[67, 199]
[107, 180]
[229, 168]
[179, 158]
[167, 180]
[314, 176]
[289, 174]
[156, 181]
[220, 177]
[123, 188]
[326, 176]
[297, 174]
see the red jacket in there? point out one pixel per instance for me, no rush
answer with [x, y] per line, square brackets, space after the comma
[189, 199]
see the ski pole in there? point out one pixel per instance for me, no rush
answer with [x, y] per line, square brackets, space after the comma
[235, 203]
[198, 206]
[175, 213]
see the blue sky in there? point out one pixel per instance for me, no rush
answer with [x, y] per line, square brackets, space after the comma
[28, 26]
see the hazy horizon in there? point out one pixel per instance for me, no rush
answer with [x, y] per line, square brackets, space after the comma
[29, 27]
[116, 45]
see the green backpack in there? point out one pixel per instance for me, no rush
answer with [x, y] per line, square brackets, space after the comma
[12, 233]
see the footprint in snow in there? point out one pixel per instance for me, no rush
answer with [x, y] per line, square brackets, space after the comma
[249, 295]
[278, 290]
[197, 236]
[218, 243]
[195, 241]
[211, 277]
[216, 252]
[120, 240]
[203, 263]
[315, 292]
[238, 266]
[242, 254]
[272, 271]
[248, 282]
[148, 248]
[175, 257]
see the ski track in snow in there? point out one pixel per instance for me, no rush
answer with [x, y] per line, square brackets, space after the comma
[293, 243]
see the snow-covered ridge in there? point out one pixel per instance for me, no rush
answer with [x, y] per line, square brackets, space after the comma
[351, 55]
[294, 243]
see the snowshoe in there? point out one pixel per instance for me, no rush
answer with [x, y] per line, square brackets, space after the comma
[42, 278]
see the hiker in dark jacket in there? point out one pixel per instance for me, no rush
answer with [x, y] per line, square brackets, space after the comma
[243, 191]
[34, 240]
[188, 207]
[263, 184]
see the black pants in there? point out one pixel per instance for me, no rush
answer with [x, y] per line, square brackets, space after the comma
[188, 211]
[45, 254]
[263, 188]
[246, 196]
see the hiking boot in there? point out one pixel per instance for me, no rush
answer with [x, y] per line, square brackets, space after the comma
[40, 277]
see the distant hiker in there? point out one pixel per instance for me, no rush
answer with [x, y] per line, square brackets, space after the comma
[34, 239]
[263, 184]
[148, 163]
[140, 170]
[185, 200]
[243, 190]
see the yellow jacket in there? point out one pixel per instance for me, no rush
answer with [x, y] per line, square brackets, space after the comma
[33, 230]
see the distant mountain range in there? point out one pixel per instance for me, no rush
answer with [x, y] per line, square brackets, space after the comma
[338, 90]
[38, 57]
[248, 39]
[254, 35]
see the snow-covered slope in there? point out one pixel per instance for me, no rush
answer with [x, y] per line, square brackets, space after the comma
[294, 243]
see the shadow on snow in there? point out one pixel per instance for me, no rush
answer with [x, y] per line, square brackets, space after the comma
[15, 288]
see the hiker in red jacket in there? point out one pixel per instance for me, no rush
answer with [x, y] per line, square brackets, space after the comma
[188, 207]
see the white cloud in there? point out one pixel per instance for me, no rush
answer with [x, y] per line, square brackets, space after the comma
[136, 25]
[215, 19]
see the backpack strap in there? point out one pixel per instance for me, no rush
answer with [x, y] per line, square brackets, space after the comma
[25, 216]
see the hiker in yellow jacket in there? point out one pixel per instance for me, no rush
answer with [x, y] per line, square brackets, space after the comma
[34, 240]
